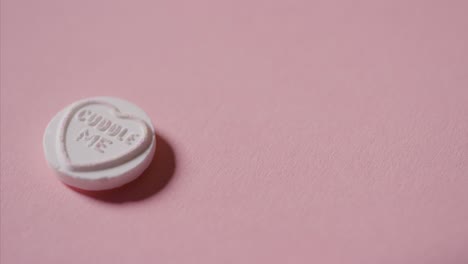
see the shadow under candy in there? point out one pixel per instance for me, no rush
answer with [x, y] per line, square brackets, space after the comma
[153, 180]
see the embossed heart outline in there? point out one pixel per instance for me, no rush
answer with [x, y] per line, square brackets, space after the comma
[137, 149]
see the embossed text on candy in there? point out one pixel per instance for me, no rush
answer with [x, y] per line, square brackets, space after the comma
[97, 123]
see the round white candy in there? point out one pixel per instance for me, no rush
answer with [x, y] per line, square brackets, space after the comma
[99, 143]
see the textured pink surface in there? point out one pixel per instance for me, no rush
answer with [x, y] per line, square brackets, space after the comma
[291, 131]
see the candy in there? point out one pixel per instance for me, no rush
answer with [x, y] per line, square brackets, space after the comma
[99, 143]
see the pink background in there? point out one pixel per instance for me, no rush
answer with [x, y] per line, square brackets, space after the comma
[290, 131]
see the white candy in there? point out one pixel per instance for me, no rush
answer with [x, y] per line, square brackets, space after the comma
[99, 143]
